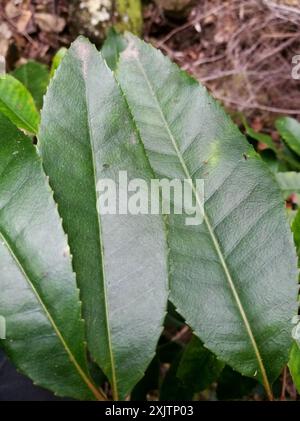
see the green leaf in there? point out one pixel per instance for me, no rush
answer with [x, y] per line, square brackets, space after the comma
[284, 157]
[198, 367]
[112, 47]
[39, 298]
[57, 60]
[35, 77]
[236, 292]
[120, 260]
[260, 137]
[288, 160]
[296, 231]
[289, 182]
[294, 365]
[17, 104]
[289, 129]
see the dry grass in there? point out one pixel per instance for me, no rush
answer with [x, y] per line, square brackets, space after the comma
[241, 50]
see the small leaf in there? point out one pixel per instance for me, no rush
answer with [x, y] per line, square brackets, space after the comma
[39, 298]
[260, 137]
[282, 156]
[35, 77]
[294, 365]
[17, 104]
[289, 182]
[112, 47]
[289, 129]
[198, 367]
[57, 60]
[120, 260]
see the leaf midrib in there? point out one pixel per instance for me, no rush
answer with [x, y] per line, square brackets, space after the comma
[211, 232]
[60, 336]
[106, 304]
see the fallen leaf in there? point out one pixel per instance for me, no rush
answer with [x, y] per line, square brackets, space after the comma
[23, 20]
[11, 10]
[49, 23]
